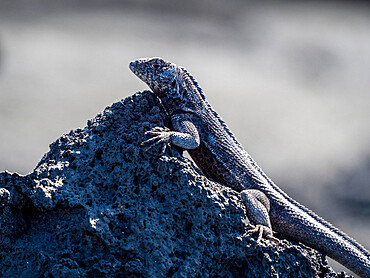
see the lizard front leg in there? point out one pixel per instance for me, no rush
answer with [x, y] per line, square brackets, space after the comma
[258, 207]
[185, 136]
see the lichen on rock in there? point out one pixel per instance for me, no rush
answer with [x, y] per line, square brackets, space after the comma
[98, 205]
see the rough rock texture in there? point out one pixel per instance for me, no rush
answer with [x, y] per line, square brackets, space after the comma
[97, 205]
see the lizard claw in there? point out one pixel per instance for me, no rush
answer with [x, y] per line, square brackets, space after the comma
[262, 231]
[162, 136]
[157, 130]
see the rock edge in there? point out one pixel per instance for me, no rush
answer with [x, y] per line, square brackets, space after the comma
[97, 205]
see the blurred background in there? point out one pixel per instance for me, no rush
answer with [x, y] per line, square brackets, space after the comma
[292, 80]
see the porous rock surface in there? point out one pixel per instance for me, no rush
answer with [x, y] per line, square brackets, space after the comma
[97, 205]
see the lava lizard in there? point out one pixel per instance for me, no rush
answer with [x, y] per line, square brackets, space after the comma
[216, 151]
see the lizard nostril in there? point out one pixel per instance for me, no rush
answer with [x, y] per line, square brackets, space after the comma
[132, 66]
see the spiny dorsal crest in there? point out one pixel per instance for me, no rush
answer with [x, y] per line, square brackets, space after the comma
[222, 122]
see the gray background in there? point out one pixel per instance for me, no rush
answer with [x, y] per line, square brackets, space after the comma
[292, 80]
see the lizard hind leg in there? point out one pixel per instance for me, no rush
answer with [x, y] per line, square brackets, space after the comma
[258, 207]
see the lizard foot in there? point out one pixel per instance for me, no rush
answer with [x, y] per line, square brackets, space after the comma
[262, 231]
[162, 136]
[258, 206]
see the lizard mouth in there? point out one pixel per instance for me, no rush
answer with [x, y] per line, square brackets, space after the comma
[134, 67]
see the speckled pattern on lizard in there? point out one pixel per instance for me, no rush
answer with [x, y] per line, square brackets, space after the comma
[198, 129]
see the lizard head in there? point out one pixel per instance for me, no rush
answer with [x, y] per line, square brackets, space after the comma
[173, 85]
[158, 74]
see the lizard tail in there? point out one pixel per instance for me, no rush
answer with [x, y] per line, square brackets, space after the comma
[294, 220]
[310, 212]
[295, 223]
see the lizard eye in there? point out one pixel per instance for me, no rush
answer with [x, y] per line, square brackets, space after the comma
[155, 66]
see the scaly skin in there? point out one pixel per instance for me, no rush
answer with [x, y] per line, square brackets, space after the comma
[202, 132]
